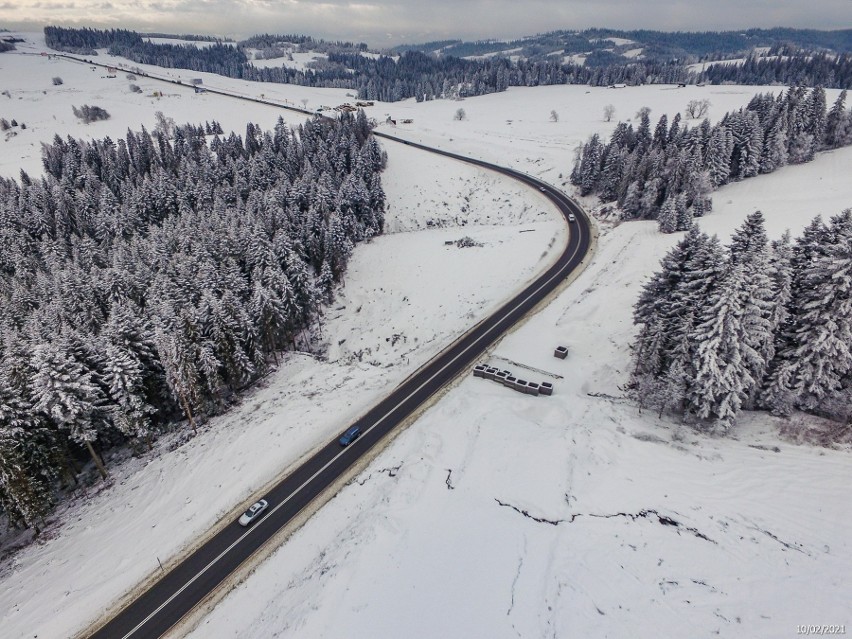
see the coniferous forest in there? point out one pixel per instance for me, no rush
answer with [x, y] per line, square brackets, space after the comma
[418, 73]
[144, 281]
[755, 324]
[667, 173]
[788, 67]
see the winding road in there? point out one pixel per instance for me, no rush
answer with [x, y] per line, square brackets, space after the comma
[189, 583]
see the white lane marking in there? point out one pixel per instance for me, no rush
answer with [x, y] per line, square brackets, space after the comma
[345, 450]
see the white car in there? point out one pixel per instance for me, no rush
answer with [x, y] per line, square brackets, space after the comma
[571, 217]
[253, 512]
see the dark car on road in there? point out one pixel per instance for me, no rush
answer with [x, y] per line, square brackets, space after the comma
[352, 433]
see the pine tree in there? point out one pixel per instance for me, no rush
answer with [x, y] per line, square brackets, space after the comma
[668, 217]
[632, 200]
[758, 299]
[325, 282]
[816, 121]
[589, 171]
[817, 355]
[684, 213]
[611, 175]
[719, 156]
[661, 133]
[650, 197]
[835, 121]
[182, 375]
[774, 154]
[664, 310]
[125, 377]
[27, 464]
[750, 144]
[64, 392]
[722, 378]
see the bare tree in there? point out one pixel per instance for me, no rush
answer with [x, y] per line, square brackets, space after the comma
[460, 115]
[697, 108]
[164, 125]
[304, 102]
[91, 113]
[609, 111]
[554, 116]
[642, 112]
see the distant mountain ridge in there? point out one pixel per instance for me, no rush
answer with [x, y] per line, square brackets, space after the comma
[457, 70]
[661, 46]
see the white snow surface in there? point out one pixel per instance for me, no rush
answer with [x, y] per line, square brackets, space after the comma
[201, 44]
[503, 53]
[619, 42]
[575, 58]
[495, 514]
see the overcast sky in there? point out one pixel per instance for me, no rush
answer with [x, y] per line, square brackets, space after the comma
[386, 22]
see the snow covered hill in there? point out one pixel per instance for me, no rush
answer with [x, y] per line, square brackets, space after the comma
[495, 514]
[504, 515]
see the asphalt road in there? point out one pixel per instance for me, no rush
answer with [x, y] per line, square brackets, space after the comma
[165, 603]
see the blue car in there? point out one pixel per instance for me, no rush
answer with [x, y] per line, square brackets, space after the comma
[351, 434]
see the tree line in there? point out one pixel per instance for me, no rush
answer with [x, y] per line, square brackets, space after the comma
[752, 325]
[804, 68]
[412, 74]
[667, 174]
[144, 281]
[685, 46]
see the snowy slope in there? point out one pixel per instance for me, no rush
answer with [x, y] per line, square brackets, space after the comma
[382, 325]
[503, 515]
[495, 514]
[46, 108]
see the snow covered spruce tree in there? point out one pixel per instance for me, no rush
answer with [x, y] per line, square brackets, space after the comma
[28, 457]
[148, 279]
[663, 353]
[707, 320]
[646, 173]
[813, 367]
[753, 325]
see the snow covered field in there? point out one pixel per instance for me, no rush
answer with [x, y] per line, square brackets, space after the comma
[503, 515]
[495, 514]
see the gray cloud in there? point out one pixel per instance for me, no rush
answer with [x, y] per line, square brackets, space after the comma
[384, 22]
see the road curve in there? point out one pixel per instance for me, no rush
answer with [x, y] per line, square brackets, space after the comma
[190, 582]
